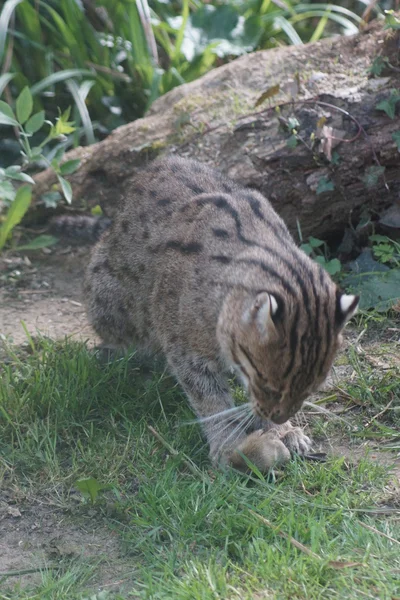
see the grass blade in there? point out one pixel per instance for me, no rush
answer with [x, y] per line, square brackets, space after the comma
[59, 76]
[181, 32]
[79, 94]
[5, 17]
[15, 213]
[284, 25]
[320, 28]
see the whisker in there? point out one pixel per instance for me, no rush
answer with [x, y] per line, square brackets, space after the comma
[238, 429]
[325, 411]
[226, 426]
[229, 411]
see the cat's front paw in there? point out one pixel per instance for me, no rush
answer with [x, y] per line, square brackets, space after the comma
[296, 441]
[264, 449]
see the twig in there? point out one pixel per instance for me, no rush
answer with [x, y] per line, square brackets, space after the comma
[192, 467]
[334, 564]
[34, 291]
[25, 571]
[382, 412]
[378, 532]
[285, 536]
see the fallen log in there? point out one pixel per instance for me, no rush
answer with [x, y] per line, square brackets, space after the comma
[309, 126]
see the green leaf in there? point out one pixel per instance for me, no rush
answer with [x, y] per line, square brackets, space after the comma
[335, 160]
[91, 487]
[372, 174]
[396, 139]
[51, 199]
[15, 213]
[66, 189]
[14, 172]
[7, 191]
[97, 211]
[7, 116]
[7, 110]
[70, 166]
[5, 80]
[378, 65]
[269, 93]
[307, 248]
[379, 290]
[376, 237]
[35, 122]
[325, 185]
[291, 142]
[63, 126]
[389, 105]
[333, 266]
[41, 241]
[391, 20]
[24, 105]
[315, 242]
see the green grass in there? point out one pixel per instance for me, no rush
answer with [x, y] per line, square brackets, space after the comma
[184, 534]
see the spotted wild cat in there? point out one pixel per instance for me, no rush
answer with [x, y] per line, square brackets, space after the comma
[203, 270]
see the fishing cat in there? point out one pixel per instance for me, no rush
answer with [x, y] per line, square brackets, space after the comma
[203, 270]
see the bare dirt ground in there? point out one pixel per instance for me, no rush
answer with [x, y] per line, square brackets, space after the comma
[36, 534]
[45, 293]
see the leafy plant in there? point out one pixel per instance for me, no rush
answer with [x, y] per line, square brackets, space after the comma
[378, 65]
[26, 125]
[389, 105]
[376, 274]
[392, 20]
[91, 488]
[325, 185]
[318, 250]
[386, 250]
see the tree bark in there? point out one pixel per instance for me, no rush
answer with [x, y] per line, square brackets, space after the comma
[322, 158]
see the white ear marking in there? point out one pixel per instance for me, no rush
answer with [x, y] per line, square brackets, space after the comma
[346, 300]
[274, 304]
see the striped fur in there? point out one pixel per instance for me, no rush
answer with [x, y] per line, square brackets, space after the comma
[80, 228]
[204, 270]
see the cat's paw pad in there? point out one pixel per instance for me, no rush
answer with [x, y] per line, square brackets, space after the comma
[264, 449]
[297, 442]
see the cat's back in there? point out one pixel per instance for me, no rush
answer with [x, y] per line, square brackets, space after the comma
[183, 205]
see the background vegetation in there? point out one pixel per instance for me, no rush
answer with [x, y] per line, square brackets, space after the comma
[111, 59]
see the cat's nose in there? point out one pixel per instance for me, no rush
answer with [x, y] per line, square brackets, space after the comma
[278, 416]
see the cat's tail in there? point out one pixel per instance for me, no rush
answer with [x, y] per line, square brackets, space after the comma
[79, 228]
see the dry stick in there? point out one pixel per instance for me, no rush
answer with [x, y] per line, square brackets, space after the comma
[378, 532]
[380, 413]
[26, 571]
[192, 468]
[292, 540]
[335, 564]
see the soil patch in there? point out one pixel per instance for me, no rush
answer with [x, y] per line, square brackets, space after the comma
[35, 534]
[45, 292]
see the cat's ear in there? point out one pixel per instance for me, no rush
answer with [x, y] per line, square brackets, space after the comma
[263, 313]
[346, 307]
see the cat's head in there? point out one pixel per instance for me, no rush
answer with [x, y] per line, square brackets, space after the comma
[282, 349]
